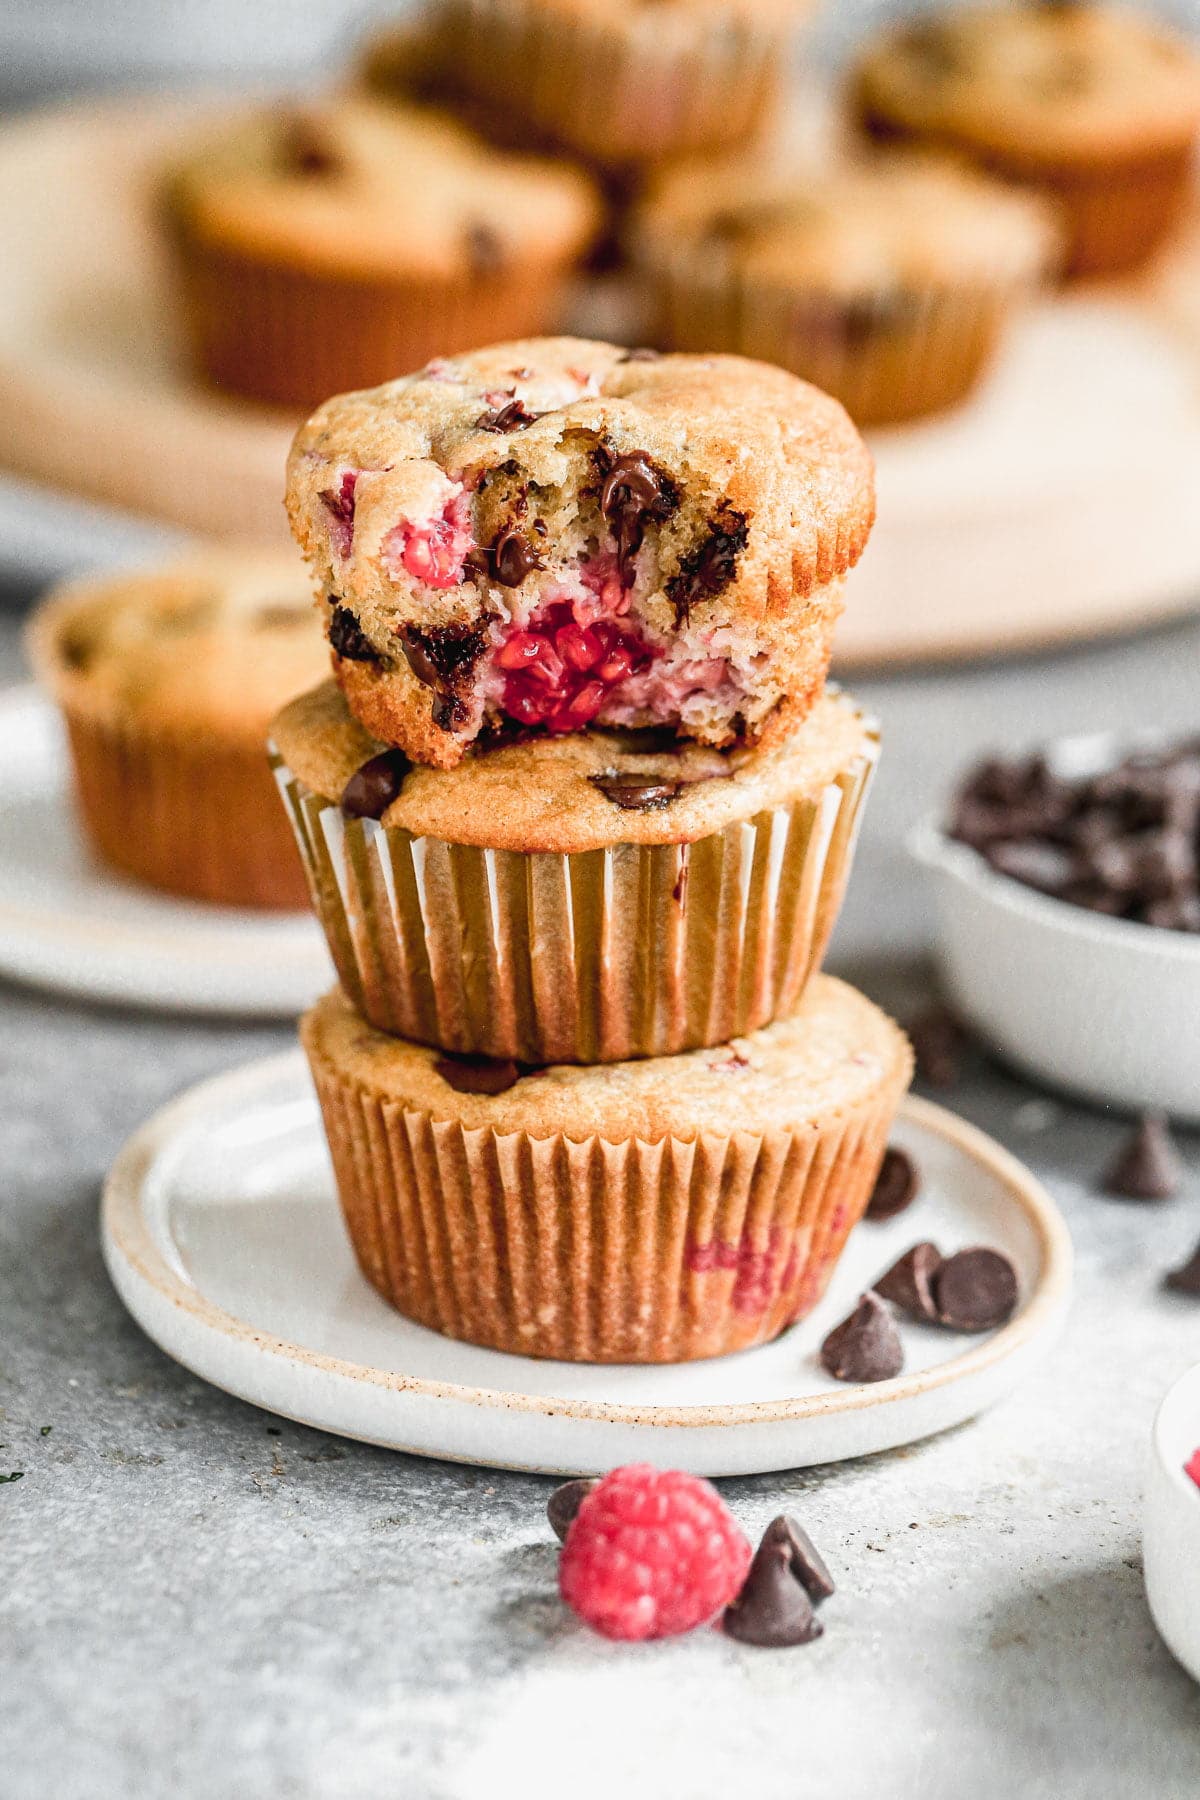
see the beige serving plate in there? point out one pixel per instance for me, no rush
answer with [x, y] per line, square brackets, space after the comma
[1058, 505]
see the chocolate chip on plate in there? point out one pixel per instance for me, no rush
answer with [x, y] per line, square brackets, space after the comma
[775, 1607]
[908, 1284]
[373, 787]
[1146, 1167]
[975, 1290]
[865, 1346]
[636, 793]
[1186, 1278]
[564, 1503]
[479, 1074]
[896, 1185]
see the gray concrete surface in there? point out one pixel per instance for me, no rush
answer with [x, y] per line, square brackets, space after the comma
[199, 1601]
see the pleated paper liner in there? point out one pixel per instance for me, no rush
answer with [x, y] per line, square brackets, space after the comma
[587, 1250]
[633, 950]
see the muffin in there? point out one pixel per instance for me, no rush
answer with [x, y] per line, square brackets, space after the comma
[583, 898]
[887, 284]
[653, 1211]
[327, 247]
[557, 534]
[1095, 107]
[167, 681]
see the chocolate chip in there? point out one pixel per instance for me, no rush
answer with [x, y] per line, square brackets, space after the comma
[348, 639]
[444, 659]
[1046, 867]
[478, 1074]
[908, 1284]
[339, 504]
[866, 1345]
[1186, 1279]
[938, 1041]
[975, 1290]
[1147, 1166]
[710, 567]
[280, 615]
[807, 1564]
[509, 417]
[305, 149]
[634, 495]
[372, 788]
[896, 1185]
[774, 1609]
[485, 250]
[564, 1503]
[637, 793]
[513, 557]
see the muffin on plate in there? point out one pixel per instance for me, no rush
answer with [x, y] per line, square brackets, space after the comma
[1096, 107]
[580, 898]
[888, 284]
[167, 681]
[558, 534]
[654, 1211]
[327, 246]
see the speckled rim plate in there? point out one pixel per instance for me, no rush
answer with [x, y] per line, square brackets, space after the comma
[222, 1235]
[69, 925]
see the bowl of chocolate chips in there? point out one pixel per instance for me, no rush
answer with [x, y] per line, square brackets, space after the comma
[1068, 896]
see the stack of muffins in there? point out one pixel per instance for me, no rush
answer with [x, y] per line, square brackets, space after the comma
[577, 816]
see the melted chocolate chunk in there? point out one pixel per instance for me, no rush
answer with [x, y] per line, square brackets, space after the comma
[1146, 1166]
[513, 557]
[865, 1346]
[896, 1185]
[775, 1608]
[710, 567]
[485, 250]
[348, 639]
[564, 1503]
[975, 1290]
[372, 788]
[908, 1284]
[443, 658]
[637, 793]
[479, 1074]
[634, 494]
[509, 417]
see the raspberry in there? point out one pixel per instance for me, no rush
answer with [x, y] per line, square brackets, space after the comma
[433, 553]
[651, 1552]
[1192, 1467]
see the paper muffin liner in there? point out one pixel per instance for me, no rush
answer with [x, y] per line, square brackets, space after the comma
[291, 336]
[187, 815]
[599, 956]
[625, 87]
[588, 1250]
[1116, 217]
[884, 361]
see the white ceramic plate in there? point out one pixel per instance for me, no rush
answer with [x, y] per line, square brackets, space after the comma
[69, 925]
[223, 1236]
[1171, 1530]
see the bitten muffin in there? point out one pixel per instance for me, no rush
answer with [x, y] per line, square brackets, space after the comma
[326, 247]
[1097, 107]
[167, 682]
[556, 534]
[887, 284]
[582, 898]
[654, 1211]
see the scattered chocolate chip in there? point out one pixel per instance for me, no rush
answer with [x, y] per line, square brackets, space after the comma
[866, 1345]
[634, 494]
[637, 793]
[807, 1564]
[1147, 1166]
[975, 1290]
[513, 557]
[908, 1284]
[775, 1607]
[938, 1041]
[710, 567]
[564, 1503]
[1185, 1279]
[509, 417]
[478, 1074]
[348, 639]
[896, 1185]
[485, 250]
[372, 788]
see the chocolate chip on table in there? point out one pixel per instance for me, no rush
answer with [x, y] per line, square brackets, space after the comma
[865, 1346]
[373, 787]
[975, 1290]
[478, 1074]
[938, 1042]
[1147, 1166]
[637, 793]
[1186, 1278]
[896, 1185]
[908, 1284]
[564, 1503]
[775, 1607]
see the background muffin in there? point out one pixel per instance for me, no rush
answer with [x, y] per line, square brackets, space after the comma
[653, 1211]
[332, 246]
[887, 284]
[167, 682]
[1097, 107]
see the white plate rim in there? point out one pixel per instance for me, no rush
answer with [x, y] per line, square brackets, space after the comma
[135, 1263]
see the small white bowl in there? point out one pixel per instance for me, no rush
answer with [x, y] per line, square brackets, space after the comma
[1171, 1524]
[1105, 1008]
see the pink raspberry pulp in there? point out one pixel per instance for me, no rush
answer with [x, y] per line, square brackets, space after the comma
[432, 553]
[651, 1553]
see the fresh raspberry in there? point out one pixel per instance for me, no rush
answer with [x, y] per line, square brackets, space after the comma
[433, 553]
[651, 1552]
[1192, 1467]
